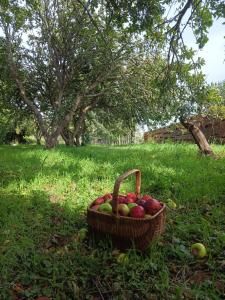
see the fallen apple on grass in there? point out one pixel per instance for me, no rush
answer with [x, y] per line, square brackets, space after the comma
[198, 250]
[82, 233]
[123, 209]
[171, 204]
[122, 258]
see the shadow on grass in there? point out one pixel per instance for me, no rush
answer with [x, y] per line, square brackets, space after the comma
[167, 170]
[42, 251]
[44, 254]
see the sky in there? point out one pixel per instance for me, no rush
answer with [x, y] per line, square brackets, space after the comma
[213, 52]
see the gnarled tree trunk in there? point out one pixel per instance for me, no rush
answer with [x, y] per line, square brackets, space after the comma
[198, 136]
[50, 141]
[77, 140]
[68, 137]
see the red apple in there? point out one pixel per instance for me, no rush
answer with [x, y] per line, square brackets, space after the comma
[121, 199]
[123, 209]
[147, 197]
[142, 202]
[152, 207]
[129, 200]
[132, 195]
[107, 197]
[99, 200]
[137, 212]
[95, 207]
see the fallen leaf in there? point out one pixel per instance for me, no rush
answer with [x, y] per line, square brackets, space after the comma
[56, 241]
[56, 220]
[18, 288]
[199, 277]
[115, 252]
[222, 265]
[220, 285]
[60, 240]
[174, 268]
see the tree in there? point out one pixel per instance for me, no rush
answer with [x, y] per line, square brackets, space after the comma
[209, 102]
[65, 61]
[197, 15]
[216, 107]
[15, 119]
[73, 51]
[192, 94]
[122, 98]
[183, 91]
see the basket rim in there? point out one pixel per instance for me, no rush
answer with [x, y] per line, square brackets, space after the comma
[127, 218]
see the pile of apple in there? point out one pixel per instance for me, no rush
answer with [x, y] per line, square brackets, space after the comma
[129, 205]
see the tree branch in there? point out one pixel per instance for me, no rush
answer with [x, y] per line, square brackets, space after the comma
[14, 73]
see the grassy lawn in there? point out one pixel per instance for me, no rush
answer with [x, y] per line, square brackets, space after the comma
[43, 199]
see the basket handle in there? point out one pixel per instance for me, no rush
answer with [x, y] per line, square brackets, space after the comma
[117, 184]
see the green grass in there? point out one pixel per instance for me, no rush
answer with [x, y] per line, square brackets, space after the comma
[43, 199]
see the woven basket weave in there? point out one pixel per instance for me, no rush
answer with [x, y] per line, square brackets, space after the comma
[126, 232]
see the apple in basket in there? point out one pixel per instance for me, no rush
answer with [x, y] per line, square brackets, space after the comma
[121, 199]
[146, 198]
[129, 200]
[99, 201]
[132, 196]
[95, 207]
[137, 212]
[152, 207]
[107, 197]
[123, 209]
[106, 208]
[108, 201]
[141, 202]
[130, 205]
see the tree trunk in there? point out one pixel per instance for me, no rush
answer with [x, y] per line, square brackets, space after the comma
[38, 135]
[38, 140]
[198, 137]
[68, 137]
[50, 142]
[77, 140]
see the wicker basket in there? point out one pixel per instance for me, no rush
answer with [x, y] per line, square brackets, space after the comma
[126, 232]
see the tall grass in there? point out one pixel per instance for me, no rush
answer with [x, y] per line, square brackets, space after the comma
[43, 199]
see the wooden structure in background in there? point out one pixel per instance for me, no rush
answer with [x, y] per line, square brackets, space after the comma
[214, 130]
